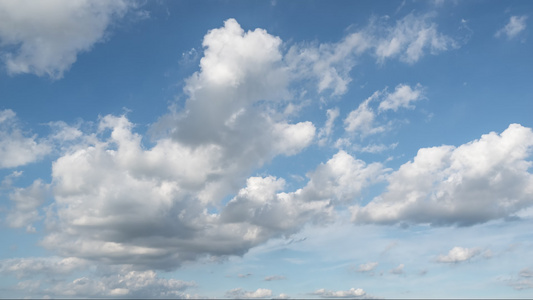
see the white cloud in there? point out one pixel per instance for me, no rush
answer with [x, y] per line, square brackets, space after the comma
[45, 37]
[402, 96]
[476, 182]
[239, 293]
[47, 266]
[340, 180]
[27, 201]
[367, 267]
[137, 284]
[410, 38]
[458, 254]
[516, 25]
[362, 121]
[351, 293]
[325, 132]
[18, 148]
[330, 63]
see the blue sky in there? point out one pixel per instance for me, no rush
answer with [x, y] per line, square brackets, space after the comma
[266, 149]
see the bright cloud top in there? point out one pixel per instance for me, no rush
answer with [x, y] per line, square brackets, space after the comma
[47, 36]
[516, 25]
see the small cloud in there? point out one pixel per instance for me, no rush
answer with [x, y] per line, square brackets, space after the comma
[275, 277]
[244, 275]
[516, 25]
[369, 266]
[458, 254]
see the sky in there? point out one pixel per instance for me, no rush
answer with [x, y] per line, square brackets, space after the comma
[266, 149]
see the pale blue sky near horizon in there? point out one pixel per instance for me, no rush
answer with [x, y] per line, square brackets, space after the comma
[266, 149]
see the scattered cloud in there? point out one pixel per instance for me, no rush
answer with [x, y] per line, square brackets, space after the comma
[516, 25]
[458, 254]
[26, 204]
[18, 148]
[476, 182]
[275, 277]
[45, 38]
[351, 293]
[402, 96]
[367, 267]
[398, 270]
[330, 63]
[522, 281]
[239, 293]
[362, 121]
[325, 132]
[410, 39]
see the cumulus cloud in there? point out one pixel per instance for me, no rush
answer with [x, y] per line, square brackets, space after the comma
[239, 293]
[402, 96]
[138, 284]
[17, 147]
[117, 201]
[458, 254]
[516, 25]
[45, 38]
[367, 267]
[341, 179]
[476, 182]
[351, 293]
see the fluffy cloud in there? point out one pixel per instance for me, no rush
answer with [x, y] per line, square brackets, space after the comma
[119, 202]
[18, 148]
[458, 254]
[239, 293]
[44, 38]
[369, 266]
[476, 182]
[402, 96]
[516, 25]
[351, 293]
[361, 120]
[340, 180]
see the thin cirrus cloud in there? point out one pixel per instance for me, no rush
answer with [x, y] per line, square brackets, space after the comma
[516, 25]
[330, 64]
[45, 37]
